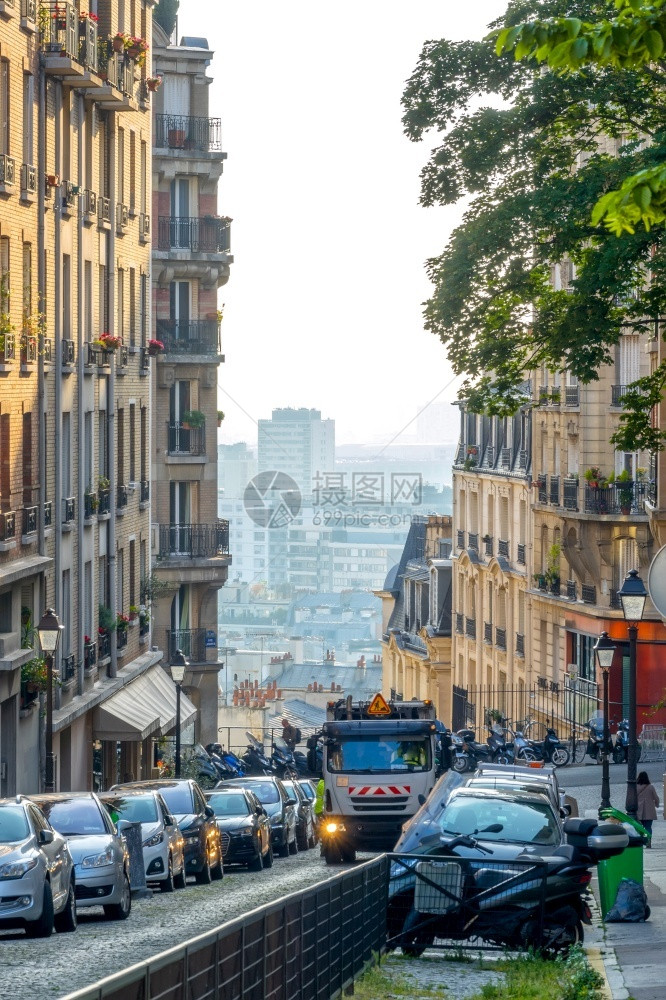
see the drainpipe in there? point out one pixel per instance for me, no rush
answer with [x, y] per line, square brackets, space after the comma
[80, 409]
[57, 376]
[111, 398]
[41, 306]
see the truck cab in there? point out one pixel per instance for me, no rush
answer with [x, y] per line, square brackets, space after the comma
[377, 772]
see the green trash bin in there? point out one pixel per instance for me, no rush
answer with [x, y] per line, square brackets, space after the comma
[629, 864]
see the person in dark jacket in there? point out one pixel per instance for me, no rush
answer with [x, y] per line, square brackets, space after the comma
[289, 734]
[648, 800]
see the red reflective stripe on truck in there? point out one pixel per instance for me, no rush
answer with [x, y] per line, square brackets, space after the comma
[379, 789]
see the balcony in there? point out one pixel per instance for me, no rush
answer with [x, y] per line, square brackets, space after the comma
[554, 492]
[96, 356]
[460, 623]
[506, 458]
[68, 352]
[542, 496]
[90, 505]
[144, 495]
[185, 440]
[89, 205]
[187, 132]
[7, 526]
[104, 213]
[69, 44]
[104, 645]
[68, 668]
[473, 541]
[470, 628]
[488, 545]
[48, 513]
[122, 498]
[29, 15]
[121, 638]
[589, 594]
[500, 638]
[460, 537]
[7, 173]
[7, 349]
[615, 600]
[122, 219]
[144, 364]
[30, 520]
[192, 642]
[28, 351]
[570, 494]
[571, 395]
[28, 182]
[621, 498]
[200, 336]
[617, 394]
[520, 554]
[520, 644]
[104, 497]
[207, 234]
[68, 509]
[572, 590]
[89, 655]
[488, 633]
[194, 541]
[503, 548]
[522, 458]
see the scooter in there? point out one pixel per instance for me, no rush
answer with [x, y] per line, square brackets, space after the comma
[254, 759]
[466, 752]
[550, 749]
[501, 751]
[232, 764]
[621, 748]
[595, 739]
[282, 759]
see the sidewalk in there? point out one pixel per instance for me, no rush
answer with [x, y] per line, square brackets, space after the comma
[634, 955]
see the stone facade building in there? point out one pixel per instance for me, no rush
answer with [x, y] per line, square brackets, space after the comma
[191, 260]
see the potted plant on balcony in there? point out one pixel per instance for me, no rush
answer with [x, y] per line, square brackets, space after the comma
[103, 483]
[109, 342]
[220, 417]
[119, 41]
[193, 418]
[552, 574]
[136, 48]
[155, 347]
[122, 622]
[92, 500]
[593, 476]
[153, 83]
[624, 485]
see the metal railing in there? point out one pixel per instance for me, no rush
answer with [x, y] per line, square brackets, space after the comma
[144, 495]
[503, 547]
[7, 525]
[470, 627]
[185, 440]
[520, 644]
[68, 352]
[620, 498]
[104, 645]
[201, 336]
[310, 945]
[207, 234]
[473, 541]
[191, 642]
[460, 539]
[7, 347]
[520, 553]
[122, 497]
[196, 541]
[68, 667]
[541, 486]
[48, 513]
[554, 493]
[488, 545]
[68, 509]
[28, 349]
[89, 655]
[572, 590]
[588, 594]
[188, 132]
[570, 494]
[59, 28]
[617, 394]
[90, 504]
[460, 623]
[572, 395]
[30, 520]
[7, 169]
[500, 638]
[488, 633]
[104, 497]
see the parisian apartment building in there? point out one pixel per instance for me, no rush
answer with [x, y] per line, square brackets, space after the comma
[549, 518]
[90, 406]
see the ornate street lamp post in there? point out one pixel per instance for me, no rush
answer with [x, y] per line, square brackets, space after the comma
[633, 596]
[178, 666]
[604, 647]
[49, 630]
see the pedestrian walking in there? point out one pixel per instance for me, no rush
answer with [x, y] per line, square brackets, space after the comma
[648, 800]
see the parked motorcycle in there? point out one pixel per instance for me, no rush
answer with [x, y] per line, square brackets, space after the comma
[621, 748]
[229, 762]
[595, 739]
[501, 749]
[254, 759]
[282, 759]
[466, 752]
[550, 750]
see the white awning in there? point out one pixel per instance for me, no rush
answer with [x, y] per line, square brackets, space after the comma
[144, 708]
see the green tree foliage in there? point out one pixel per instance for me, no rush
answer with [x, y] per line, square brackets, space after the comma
[165, 14]
[533, 149]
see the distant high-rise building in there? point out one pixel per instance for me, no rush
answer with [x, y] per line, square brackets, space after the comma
[299, 443]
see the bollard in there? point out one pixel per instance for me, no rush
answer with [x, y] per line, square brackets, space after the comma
[132, 835]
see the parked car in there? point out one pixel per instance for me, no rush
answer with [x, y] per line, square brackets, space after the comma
[196, 820]
[99, 851]
[244, 827]
[37, 880]
[306, 835]
[527, 777]
[163, 843]
[280, 806]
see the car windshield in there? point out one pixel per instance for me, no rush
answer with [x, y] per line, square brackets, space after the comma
[266, 791]
[74, 817]
[229, 804]
[520, 822]
[13, 825]
[178, 798]
[134, 809]
[372, 756]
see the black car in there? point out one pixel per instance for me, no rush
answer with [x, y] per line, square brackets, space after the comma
[196, 819]
[244, 827]
[306, 835]
[280, 806]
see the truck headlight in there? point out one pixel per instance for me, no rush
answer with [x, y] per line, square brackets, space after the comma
[333, 827]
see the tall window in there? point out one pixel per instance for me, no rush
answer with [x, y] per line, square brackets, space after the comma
[132, 168]
[102, 305]
[66, 132]
[132, 573]
[132, 444]
[4, 106]
[27, 459]
[4, 275]
[103, 445]
[27, 281]
[132, 306]
[66, 454]
[87, 301]
[5, 462]
[66, 296]
[121, 164]
[120, 445]
[66, 616]
[120, 315]
[88, 160]
[120, 582]
[144, 444]
[28, 105]
[144, 174]
[88, 449]
[143, 308]
[87, 599]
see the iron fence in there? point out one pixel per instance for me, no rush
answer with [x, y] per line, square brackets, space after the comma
[310, 945]
[546, 703]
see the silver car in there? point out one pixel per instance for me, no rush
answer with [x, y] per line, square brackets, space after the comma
[161, 839]
[37, 881]
[99, 851]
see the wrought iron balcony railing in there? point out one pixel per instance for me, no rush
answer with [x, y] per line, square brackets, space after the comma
[503, 547]
[89, 655]
[572, 395]
[619, 498]
[188, 132]
[470, 627]
[520, 554]
[460, 623]
[30, 520]
[206, 234]
[194, 541]
[589, 594]
[104, 497]
[145, 491]
[68, 509]
[617, 394]
[500, 638]
[201, 336]
[572, 590]
[570, 494]
[185, 440]
[520, 644]
[68, 667]
[554, 493]
[488, 632]
[473, 541]
[460, 538]
[192, 642]
[7, 525]
[488, 545]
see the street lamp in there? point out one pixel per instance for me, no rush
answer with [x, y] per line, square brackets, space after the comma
[49, 630]
[179, 665]
[633, 596]
[604, 647]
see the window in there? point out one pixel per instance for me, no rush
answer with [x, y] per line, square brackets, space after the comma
[66, 297]
[103, 445]
[120, 582]
[66, 133]
[27, 281]
[132, 167]
[5, 463]
[27, 459]
[66, 617]
[28, 104]
[102, 581]
[120, 315]
[132, 307]
[144, 443]
[88, 449]
[102, 306]
[144, 174]
[143, 308]
[4, 106]
[66, 454]
[121, 163]
[120, 446]
[88, 162]
[87, 599]
[132, 443]
[87, 301]
[132, 573]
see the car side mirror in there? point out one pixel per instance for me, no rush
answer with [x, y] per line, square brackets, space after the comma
[45, 837]
[208, 812]
[565, 811]
[292, 802]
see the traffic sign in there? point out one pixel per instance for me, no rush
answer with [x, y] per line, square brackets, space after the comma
[379, 706]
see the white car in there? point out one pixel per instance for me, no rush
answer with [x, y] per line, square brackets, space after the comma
[99, 851]
[37, 884]
[162, 841]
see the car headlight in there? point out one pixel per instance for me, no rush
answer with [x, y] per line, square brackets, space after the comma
[246, 830]
[153, 841]
[99, 860]
[17, 869]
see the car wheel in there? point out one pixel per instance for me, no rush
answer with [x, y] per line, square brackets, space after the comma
[293, 846]
[312, 842]
[167, 884]
[204, 877]
[217, 872]
[283, 849]
[331, 855]
[121, 910]
[44, 926]
[618, 755]
[66, 921]
[560, 757]
[268, 858]
[302, 840]
[180, 880]
[256, 865]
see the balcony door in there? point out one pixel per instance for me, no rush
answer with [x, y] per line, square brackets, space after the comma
[180, 622]
[181, 211]
[179, 403]
[180, 309]
[180, 518]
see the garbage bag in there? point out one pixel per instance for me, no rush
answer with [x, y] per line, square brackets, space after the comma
[630, 903]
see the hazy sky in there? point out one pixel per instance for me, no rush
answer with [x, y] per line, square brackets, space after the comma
[323, 307]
